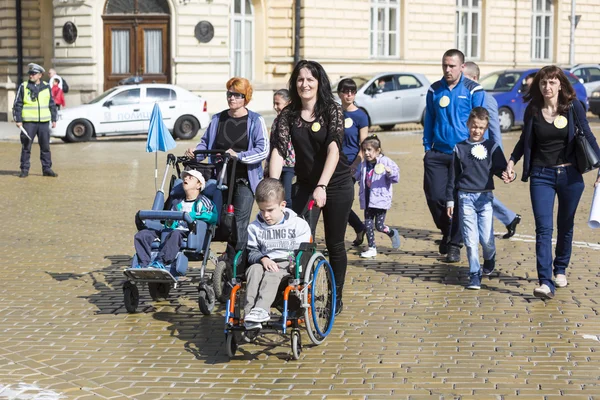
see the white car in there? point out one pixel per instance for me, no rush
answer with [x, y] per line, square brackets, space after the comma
[391, 98]
[126, 110]
[589, 75]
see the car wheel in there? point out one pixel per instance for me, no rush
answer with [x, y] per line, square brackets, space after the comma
[506, 118]
[186, 127]
[80, 130]
[387, 127]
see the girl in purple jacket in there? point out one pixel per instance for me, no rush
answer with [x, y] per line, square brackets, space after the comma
[376, 175]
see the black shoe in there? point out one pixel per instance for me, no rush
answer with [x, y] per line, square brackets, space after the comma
[488, 266]
[512, 227]
[443, 248]
[360, 238]
[24, 174]
[51, 173]
[338, 307]
[453, 255]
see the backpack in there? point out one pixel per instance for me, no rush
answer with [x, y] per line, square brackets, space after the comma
[65, 86]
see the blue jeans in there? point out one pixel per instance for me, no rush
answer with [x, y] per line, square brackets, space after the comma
[502, 213]
[476, 214]
[546, 184]
[287, 175]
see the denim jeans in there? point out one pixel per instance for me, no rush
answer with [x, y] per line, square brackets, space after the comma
[476, 214]
[546, 184]
[286, 178]
[502, 213]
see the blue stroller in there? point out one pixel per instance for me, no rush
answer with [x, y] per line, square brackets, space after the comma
[196, 247]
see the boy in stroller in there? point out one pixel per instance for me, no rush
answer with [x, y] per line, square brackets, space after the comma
[200, 208]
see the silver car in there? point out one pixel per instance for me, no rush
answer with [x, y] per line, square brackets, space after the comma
[391, 98]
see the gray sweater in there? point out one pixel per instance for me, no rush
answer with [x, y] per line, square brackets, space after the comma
[276, 241]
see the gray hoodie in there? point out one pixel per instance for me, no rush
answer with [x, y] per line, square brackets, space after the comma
[276, 241]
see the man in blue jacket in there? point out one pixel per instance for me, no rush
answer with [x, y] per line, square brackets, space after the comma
[505, 215]
[449, 102]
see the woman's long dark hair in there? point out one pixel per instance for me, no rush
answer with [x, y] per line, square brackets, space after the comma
[324, 95]
[565, 96]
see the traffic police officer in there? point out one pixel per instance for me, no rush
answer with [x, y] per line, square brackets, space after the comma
[449, 103]
[32, 110]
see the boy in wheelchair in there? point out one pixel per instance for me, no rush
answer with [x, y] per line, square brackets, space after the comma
[200, 208]
[272, 239]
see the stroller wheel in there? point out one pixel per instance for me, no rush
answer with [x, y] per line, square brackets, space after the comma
[220, 282]
[206, 299]
[159, 291]
[131, 297]
[230, 344]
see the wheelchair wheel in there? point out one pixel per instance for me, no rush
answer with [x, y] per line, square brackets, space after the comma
[220, 281]
[230, 344]
[206, 299]
[131, 297]
[320, 298]
[296, 345]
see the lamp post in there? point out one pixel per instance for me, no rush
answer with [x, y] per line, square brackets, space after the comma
[572, 40]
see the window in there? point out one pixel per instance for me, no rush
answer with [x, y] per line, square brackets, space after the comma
[131, 96]
[242, 26]
[542, 20]
[160, 94]
[502, 82]
[408, 82]
[385, 28]
[468, 27]
[120, 52]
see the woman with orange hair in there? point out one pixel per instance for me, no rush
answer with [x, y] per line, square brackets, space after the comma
[243, 134]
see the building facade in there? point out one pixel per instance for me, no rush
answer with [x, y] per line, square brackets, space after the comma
[199, 44]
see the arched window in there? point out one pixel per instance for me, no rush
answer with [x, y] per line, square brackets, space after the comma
[242, 38]
[136, 7]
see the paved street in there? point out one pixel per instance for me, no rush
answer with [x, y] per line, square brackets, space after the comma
[409, 330]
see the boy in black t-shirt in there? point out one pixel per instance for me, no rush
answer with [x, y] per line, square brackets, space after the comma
[475, 162]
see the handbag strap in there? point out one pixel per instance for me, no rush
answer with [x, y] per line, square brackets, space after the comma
[578, 130]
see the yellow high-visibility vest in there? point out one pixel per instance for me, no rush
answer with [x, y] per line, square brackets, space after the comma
[38, 110]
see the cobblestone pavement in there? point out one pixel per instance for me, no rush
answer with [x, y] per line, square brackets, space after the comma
[409, 329]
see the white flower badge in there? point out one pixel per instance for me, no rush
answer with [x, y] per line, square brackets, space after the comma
[479, 152]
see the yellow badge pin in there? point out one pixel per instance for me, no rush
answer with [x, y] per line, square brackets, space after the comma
[316, 127]
[444, 101]
[560, 122]
[379, 169]
[348, 123]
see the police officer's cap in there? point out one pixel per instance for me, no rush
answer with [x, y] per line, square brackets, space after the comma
[35, 69]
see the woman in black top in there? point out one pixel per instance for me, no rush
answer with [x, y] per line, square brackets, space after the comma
[547, 144]
[314, 123]
[243, 134]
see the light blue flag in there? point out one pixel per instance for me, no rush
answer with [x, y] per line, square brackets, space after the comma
[159, 137]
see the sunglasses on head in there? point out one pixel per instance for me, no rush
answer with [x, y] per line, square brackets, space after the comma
[236, 95]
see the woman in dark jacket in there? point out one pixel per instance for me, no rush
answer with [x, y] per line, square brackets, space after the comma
[314, 123]
[547, 144]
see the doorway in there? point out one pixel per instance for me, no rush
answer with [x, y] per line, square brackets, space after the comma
[136, 41]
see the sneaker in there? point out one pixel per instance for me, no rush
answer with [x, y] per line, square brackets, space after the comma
[339, 307]
[360, 238]
[543, 292]
[24, 174]
[488, 266]
[512, 227]
[157, 265]
[395, 239]
[474, 281]
[453, 255]
[370, 253]
[51, 173]
[251, 325]
[561, 280]
[258, 315]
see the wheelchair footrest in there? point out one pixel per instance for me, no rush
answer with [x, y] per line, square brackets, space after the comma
[149, 275]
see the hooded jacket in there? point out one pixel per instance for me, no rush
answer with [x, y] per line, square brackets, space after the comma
[276, 241]
[258, 145]
[380, 195]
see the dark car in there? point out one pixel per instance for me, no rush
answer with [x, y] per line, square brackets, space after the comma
[595, 101]
[508, 88]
